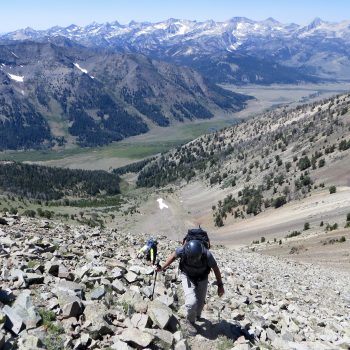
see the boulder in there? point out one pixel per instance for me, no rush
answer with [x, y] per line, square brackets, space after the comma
[34, 278]
[95, 315]
[120, 345]
[136, 337]
[140, 321]
[159, 313]
[98, 293]
[164, 336]
[24, 308]
[70, 304]
[6, 296]
[118, 286]
[14, 322]
[131, 277]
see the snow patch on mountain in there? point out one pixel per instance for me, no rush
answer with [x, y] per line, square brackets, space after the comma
[16, 78]
[161, 203]
[81, 69]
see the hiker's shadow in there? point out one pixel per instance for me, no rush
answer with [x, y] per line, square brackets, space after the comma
[213, 329]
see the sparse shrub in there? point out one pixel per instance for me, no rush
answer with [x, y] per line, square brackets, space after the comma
[342, 239]
[321, 163]
[296, 250]
[306, 226]
[262, 239]
[30, 213]
[279, 201]
[331, 227]
[13, 211]
[344, 145]
[288, 166]
[218, 221]
[293, 234]
[304, 163]
[332, 189]
[224, 343]
[348, 217]
[321, 223]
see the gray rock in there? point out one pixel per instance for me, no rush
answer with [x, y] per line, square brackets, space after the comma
[52, 268]
[117, 272]
[279, 343]
[63, 272]
[98, 293]
[70, 304]
[6, 296]
[146, 270]
[160, 313]
[136, 337]
[34, 278]
[30, 342]
[241, 347]
[14, 322]
[120, 345]
[68, 286]
[147, 291]
[163, 335]
[23, 307]
[135, 300]
[166, 299]
[95, 317]
[118, 286]
[131, 277]
[237, 315]
[271, 334]
[140, 321]
[181, 345]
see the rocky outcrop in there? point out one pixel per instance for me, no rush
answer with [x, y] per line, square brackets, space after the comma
[88, 290]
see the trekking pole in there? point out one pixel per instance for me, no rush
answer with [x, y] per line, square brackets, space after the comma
[154, 282]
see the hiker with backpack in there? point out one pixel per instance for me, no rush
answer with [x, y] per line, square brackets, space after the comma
[196, 262]
[149, 251]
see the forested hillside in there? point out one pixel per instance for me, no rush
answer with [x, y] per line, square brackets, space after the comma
[53, 95]
[266, 162]
[47, 183]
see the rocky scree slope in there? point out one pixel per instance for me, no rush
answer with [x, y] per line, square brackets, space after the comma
[274, 158]
[66, 287]
[57, 94]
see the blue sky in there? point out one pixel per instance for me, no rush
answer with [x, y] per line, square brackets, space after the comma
[42, 14]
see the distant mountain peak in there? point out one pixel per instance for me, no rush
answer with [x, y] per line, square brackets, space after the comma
[316, 23]
[271, 21]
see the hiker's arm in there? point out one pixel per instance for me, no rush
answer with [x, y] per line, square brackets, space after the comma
[168, 262]
[217, 273]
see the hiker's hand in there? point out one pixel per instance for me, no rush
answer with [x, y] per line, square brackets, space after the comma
[221, 291]
[157, 268]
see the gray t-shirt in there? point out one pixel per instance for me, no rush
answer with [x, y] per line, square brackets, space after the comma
[198, 269]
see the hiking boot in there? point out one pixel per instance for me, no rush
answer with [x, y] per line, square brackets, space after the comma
[188, 328]
[200, 319]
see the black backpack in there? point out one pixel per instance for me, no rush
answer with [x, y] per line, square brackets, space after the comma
[199, 235]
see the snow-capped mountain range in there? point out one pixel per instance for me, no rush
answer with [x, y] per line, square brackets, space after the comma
[220, 49]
